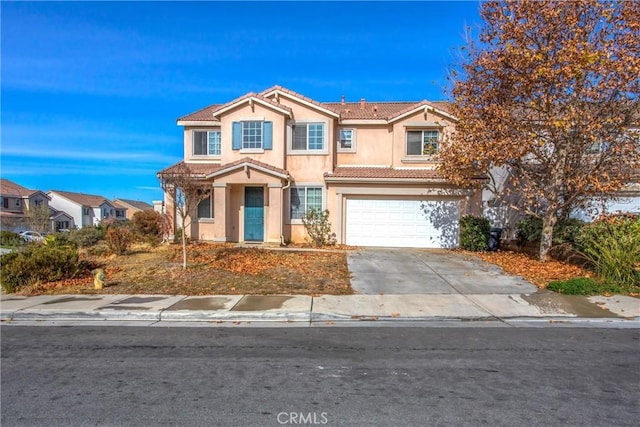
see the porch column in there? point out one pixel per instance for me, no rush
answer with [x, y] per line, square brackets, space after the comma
[221, 210]
[274, 213]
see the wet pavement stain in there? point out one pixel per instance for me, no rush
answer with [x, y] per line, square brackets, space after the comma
[139, 300]
[579, 305]
[260, 302]
[123, 307]
[206, 303]
[70, 299]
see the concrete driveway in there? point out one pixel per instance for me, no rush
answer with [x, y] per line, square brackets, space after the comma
[392, 271]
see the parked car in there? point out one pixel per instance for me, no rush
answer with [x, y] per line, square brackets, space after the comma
[31, 236]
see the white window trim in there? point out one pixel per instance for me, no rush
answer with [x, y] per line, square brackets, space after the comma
[320, 185]
[353, 140]
[193, 141]
[408, 156]
[325, 145]
[212, 218]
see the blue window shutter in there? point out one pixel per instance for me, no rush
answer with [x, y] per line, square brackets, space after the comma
[236, 142]
[268, 136]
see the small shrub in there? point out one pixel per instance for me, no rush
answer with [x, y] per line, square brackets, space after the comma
[146, 226]
[87, 236]
[318, 227]
[474, 233]
[37, 263]
[9, 238]
[99, 249]
[612, 245]
[583, 286]
[119, 239]
[529, 229]
[60, 240]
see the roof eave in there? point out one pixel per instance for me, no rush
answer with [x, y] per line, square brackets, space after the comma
[302, 101]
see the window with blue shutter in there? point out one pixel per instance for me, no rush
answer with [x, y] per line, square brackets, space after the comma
[252, 135]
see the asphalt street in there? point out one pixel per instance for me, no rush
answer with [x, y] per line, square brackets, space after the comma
[395, 376]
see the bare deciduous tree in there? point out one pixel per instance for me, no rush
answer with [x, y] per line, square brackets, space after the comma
[186, 191]
[38, 218]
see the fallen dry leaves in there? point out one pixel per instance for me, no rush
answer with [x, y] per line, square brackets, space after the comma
[213, 269]
[537, 272]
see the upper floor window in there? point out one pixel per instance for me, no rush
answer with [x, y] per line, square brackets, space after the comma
[17, 202]
[38, 202]
[119, 214]
[85, 211]
[303, 199]
[205, 208]
[206, 143]
[422, 142]
[252, 135]
[308, 136]
[347, 140]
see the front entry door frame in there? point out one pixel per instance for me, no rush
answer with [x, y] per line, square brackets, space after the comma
[254, 214]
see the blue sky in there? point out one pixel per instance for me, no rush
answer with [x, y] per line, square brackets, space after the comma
[91, 91]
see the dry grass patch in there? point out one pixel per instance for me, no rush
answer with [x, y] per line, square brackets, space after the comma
[213, 270]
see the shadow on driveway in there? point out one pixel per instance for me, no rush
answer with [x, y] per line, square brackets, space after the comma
[394, 271]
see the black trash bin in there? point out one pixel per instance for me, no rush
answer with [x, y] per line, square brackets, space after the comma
[494, 239]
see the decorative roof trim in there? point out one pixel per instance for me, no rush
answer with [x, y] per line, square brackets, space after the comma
[279, 92]
[425, 106]
[243, 165]
[251, 99]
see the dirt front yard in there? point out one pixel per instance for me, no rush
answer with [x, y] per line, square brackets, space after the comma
[212, 270]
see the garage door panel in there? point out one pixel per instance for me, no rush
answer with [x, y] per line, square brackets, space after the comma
[402, 223]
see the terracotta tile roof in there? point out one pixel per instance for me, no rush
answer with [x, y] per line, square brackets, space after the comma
[383, 173]
[349, 110]
[381, 110]
[201, 170]
[204, 114]
[198, 170]
[83, 199]
[137, 204]
[208, 113]
[10, 188]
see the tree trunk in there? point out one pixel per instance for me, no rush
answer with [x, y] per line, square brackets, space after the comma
[184, 246]
[546, 241]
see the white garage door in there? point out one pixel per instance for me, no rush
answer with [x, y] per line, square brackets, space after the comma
[402, 223]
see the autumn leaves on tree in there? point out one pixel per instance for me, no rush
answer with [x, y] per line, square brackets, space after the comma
[550, 92]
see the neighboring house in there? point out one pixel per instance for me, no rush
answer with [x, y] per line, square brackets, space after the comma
[61, 220]
[86, 209]
[132, 206]
[15, 203]
[271, 156]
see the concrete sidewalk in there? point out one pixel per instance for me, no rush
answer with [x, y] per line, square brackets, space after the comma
[538, 306]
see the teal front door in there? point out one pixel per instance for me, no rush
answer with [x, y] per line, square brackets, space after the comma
[254, 214]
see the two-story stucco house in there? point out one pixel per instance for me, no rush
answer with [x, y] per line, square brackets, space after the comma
[86, 209]
[15, 203]
[271, 156]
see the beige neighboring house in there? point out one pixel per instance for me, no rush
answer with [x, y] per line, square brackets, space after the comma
[15, 203]
[86, 209]
[271, 156]
[132, 206]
